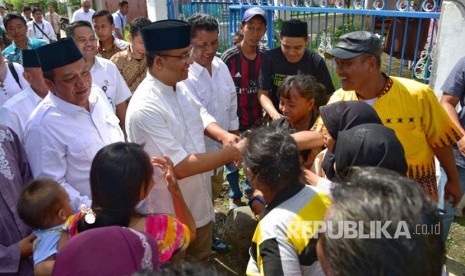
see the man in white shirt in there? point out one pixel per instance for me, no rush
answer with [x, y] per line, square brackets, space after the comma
[119, 18]
[16, 111]
[212, 85]
[84, 13]
[11, 76]
[39, 28]
[27, 13]
[71, 124]
[164, 117]
[104, 73]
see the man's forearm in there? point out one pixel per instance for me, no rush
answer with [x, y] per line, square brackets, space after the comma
[450, 110]
[308, 139]
[446, 158]
[203, 162]
[267, 104]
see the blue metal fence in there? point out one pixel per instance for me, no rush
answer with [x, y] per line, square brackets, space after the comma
[407, 27]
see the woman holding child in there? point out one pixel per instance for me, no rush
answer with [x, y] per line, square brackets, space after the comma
[121, 176]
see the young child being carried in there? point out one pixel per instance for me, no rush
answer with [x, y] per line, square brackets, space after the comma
[45, 205]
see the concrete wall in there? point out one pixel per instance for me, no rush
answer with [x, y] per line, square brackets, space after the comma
[449, 47]
[157, 10]
[136, 7]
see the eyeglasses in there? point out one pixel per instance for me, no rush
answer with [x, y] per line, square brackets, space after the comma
[181, 57]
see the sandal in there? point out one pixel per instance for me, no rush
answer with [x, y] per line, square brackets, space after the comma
[219, 245]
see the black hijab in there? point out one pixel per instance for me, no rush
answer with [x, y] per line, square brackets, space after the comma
[341, 116]
[370, 145]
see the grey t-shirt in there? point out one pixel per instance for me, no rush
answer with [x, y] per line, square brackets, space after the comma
[455, 86]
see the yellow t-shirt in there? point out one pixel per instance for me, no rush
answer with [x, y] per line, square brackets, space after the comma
[412, 110]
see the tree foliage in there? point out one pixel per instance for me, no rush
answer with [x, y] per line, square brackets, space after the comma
[60, 8]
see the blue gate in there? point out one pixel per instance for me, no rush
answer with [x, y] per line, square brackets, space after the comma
[408, 28]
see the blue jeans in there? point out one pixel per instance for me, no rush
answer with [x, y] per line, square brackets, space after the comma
[448, 216]
[232, 175]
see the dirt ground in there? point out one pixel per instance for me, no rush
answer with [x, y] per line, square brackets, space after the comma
[230, 262]
[233, 263]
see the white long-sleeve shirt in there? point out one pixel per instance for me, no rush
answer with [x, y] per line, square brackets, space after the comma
[172, 123]
[61, 139]
[34, 31]
[217, 93]
[16, 111]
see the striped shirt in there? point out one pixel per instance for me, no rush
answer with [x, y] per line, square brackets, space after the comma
[284, 241]
[171, 235]
[245, 75]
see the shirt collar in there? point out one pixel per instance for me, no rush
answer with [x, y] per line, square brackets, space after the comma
[97, 64]
[159, 84]
[197, 69]
[129, 55]
[33, 95]
[69, 108]
[28, 45]
[282, 196]
[113, 44]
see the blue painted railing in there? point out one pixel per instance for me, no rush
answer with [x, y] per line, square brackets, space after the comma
[407, 27]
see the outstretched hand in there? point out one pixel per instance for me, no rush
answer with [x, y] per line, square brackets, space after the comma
[229, 139]
[166, 165]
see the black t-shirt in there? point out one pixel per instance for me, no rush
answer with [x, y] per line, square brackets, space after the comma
[274, 68]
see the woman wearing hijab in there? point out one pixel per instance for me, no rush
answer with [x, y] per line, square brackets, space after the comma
[111, 250]
[370, 145]
[337, 117]
[366, 145]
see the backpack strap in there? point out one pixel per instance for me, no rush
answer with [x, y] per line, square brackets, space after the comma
[42, 31]
[14, 73]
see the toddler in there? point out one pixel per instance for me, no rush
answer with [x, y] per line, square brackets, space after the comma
[44, 205]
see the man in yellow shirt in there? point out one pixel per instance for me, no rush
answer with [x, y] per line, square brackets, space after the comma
[408, 107]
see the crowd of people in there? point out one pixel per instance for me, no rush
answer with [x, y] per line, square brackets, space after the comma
[121, 147]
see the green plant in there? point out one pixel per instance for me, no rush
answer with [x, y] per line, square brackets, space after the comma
[349, 26]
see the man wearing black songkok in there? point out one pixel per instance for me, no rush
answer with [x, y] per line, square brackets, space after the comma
[291, 58]
[71, 123]
[165, 117]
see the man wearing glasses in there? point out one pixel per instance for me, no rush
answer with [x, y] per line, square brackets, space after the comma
[166, 118]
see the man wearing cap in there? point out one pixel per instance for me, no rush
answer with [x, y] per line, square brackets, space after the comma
[71, 124]
[291, 58]
[408, 107]
[243, 61]
[167, 119]
[211, 84]
[16, 111]
[104, 73]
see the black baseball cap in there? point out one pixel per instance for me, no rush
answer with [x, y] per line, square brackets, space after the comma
[354, 44]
